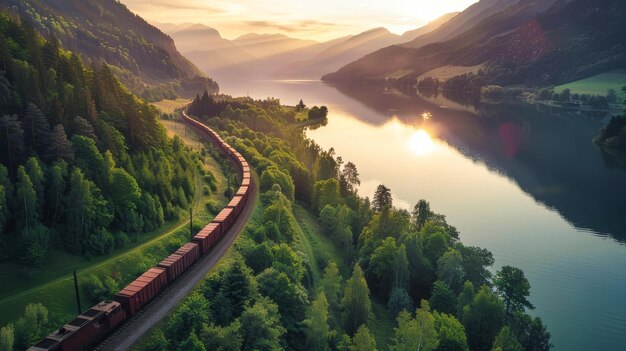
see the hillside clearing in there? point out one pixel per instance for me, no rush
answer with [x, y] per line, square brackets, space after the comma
[598, 84]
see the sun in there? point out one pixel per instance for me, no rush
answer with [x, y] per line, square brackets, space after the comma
[421, 143]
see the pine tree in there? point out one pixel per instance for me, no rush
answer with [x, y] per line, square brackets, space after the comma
[6, 193]
[331, 286]
[401, 268]
[86, 211]
[356, 302]
[318, 331]
[363, 340]
[192, 344]
[238, 288]
[82, 127]
[382, 198]
[36, 175]
[36, 129]
[26, 201]
[11, 142]
[4, 210]
[59, 148]
[7, 338]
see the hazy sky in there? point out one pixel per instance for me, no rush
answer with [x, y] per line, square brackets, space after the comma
[316, 19]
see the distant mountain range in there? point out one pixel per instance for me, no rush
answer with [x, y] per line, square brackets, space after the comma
[277, 55]
[532, 42]
[145, 59]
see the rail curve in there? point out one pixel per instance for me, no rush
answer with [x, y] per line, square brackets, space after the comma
[125, 319]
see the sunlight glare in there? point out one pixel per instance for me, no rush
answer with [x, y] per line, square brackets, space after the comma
[421, 143]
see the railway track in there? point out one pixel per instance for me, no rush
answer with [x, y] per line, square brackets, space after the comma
[118, 325]
[138, 326]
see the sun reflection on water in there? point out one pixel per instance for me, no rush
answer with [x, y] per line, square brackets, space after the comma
[421, 143]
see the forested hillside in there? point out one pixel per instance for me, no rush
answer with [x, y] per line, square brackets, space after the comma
[141, 56]
[84, 164]
[526, 43]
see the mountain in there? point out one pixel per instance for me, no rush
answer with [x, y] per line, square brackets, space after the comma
[264, 45]
[431, 26]
[346, 51]
[465, 20]
[196, 37]
[144, 59]
[248, 56]
[341, 53]
[533, 42]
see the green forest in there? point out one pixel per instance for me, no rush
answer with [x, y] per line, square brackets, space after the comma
[276, 293]
[85, 164]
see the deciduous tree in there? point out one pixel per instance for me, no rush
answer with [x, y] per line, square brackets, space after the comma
[261, 328]
[514, 288]
[415, 333]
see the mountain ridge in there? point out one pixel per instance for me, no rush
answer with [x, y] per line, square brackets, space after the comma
[527, 43]
[146, 59]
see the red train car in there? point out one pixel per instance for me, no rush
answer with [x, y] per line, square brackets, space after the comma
[173, 265]
[226, 219]
[207, 237]
[190, 253]
[85, 330]
[243, 192]
[245, 181]
[141, 291]
[236, 204]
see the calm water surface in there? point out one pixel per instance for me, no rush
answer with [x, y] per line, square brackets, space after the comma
[528, 186]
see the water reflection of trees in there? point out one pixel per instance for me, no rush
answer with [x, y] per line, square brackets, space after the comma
[549, 154]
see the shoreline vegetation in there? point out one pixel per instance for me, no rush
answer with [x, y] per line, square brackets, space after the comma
[471, 89]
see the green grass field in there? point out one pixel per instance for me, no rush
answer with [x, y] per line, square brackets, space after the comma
[168, 106]
[598, 85]
[53, 286]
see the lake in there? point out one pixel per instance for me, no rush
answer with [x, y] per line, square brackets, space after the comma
[525, 184]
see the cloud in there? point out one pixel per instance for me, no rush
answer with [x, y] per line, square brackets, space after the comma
[294, 26]
[175, 5]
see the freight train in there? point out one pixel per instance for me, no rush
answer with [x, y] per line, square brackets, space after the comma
[89, 328]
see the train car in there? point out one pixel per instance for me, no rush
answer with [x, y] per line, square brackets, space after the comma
[245, 182]
[207, 237]
[141, 291]
[190, 253]
[85, 330]
[243, 192]
[236, 204]
[173, 265]
[225, 219]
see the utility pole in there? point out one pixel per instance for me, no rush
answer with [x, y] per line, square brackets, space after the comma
[191, 221]
[80, 310]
